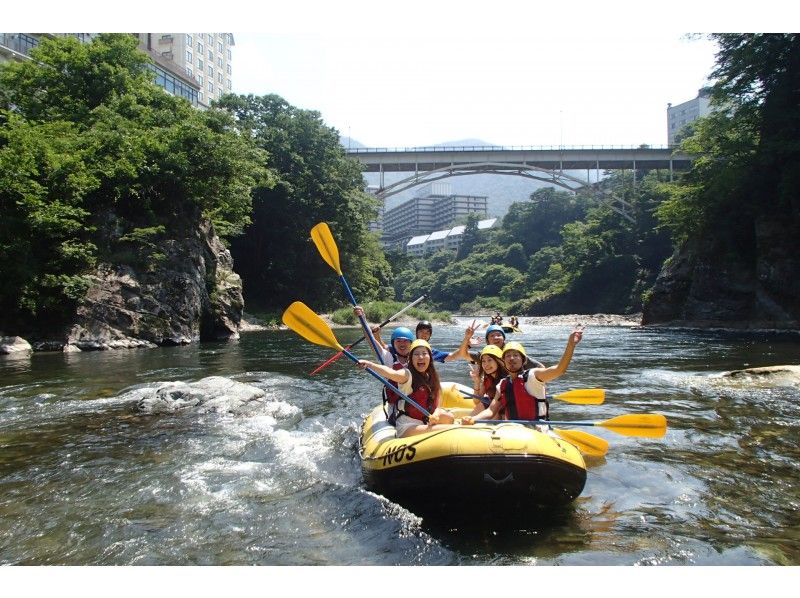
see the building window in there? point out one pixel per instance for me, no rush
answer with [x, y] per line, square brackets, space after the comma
[229, 69]
[189, 56]
[199, 65]
[229, 84]
[210, 71]
[210, 87]
[200, 80]
[200, 95]
[219, 78]
[189, 40]
[211, 56]
[229, 55]
[211, 38]
[199, 48]
[189, 72]
[219, 47]
[173, 85]
[219, 61]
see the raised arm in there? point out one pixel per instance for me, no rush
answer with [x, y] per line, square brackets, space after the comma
[399, 376]
[463, 349]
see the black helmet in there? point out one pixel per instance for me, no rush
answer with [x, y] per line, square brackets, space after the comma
[426, 325]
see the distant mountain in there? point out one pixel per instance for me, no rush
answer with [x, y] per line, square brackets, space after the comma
[348, 142]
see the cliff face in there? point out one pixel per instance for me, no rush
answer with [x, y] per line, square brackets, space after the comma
[192, 295]
[745, 275]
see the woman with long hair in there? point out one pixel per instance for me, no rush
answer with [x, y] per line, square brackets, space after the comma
[419, 380]
[487, 375]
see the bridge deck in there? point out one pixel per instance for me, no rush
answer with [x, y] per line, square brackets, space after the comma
[425, 159]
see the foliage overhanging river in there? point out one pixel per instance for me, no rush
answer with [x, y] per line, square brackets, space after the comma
[87, 479]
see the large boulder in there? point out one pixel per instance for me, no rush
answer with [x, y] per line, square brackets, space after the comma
[214, 394]
[790, 373]
[191, 294]
[14, 345]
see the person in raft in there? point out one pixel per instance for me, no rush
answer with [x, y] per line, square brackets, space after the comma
[486, 376]
[419, 381]
[522, 394]
[398, 350]
[424, 331]
[495, 335]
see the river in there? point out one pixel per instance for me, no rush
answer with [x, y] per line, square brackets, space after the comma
[88, 479]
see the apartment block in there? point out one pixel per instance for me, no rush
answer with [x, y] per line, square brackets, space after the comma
[435, 208]
[194, 66]
[18, 46]
[204, 58]
[682, 114]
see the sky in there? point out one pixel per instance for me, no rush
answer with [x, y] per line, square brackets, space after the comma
[417, 73]
[404, 89]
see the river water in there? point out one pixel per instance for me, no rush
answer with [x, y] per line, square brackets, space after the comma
[88, 479]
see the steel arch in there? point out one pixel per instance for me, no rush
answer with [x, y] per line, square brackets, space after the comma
[558, 178]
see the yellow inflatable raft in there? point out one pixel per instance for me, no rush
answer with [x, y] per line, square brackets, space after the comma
[506, 464]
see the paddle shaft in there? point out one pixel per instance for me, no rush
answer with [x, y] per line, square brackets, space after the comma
[564, 396]
[537, 422]
[364, 325]
[388, 384]
[381, 325]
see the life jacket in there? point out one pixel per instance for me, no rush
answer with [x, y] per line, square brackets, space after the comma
[390, 396]
[424, 398]
[517, 403]
[489, 387]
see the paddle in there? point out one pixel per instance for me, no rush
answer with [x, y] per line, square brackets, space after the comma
[350, 346]
[299, 317]
[588, 444]
[326, 245]
[579, 396]
[642, 425]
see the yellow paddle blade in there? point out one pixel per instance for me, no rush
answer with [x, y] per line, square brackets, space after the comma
[588, 444]
[326, 245]
[643, 425]
[309, 325]
[583, 396]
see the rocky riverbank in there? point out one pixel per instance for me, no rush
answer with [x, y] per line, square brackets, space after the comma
[250, 323]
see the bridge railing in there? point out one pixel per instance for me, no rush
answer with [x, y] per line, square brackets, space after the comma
[501, 148]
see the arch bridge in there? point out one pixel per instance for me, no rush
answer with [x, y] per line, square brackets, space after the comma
[548, 164]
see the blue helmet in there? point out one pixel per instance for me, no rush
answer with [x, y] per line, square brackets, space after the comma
[494, 328]
[402, 332]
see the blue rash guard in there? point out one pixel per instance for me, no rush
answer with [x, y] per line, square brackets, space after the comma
[439, 355]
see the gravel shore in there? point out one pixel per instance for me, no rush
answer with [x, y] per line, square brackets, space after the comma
[618, 320]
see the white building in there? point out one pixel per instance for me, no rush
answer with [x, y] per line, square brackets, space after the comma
[434, 208]
[449, 239]
[682, 114]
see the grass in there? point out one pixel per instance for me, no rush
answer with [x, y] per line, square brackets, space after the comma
[378, 311]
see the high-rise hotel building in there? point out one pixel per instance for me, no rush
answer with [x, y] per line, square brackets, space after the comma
[204, 58]
[195, 66]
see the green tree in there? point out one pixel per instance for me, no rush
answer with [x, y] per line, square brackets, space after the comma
[538, 223]
[101, 164]
[470, 237]
[748, 146]
[315, 182]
